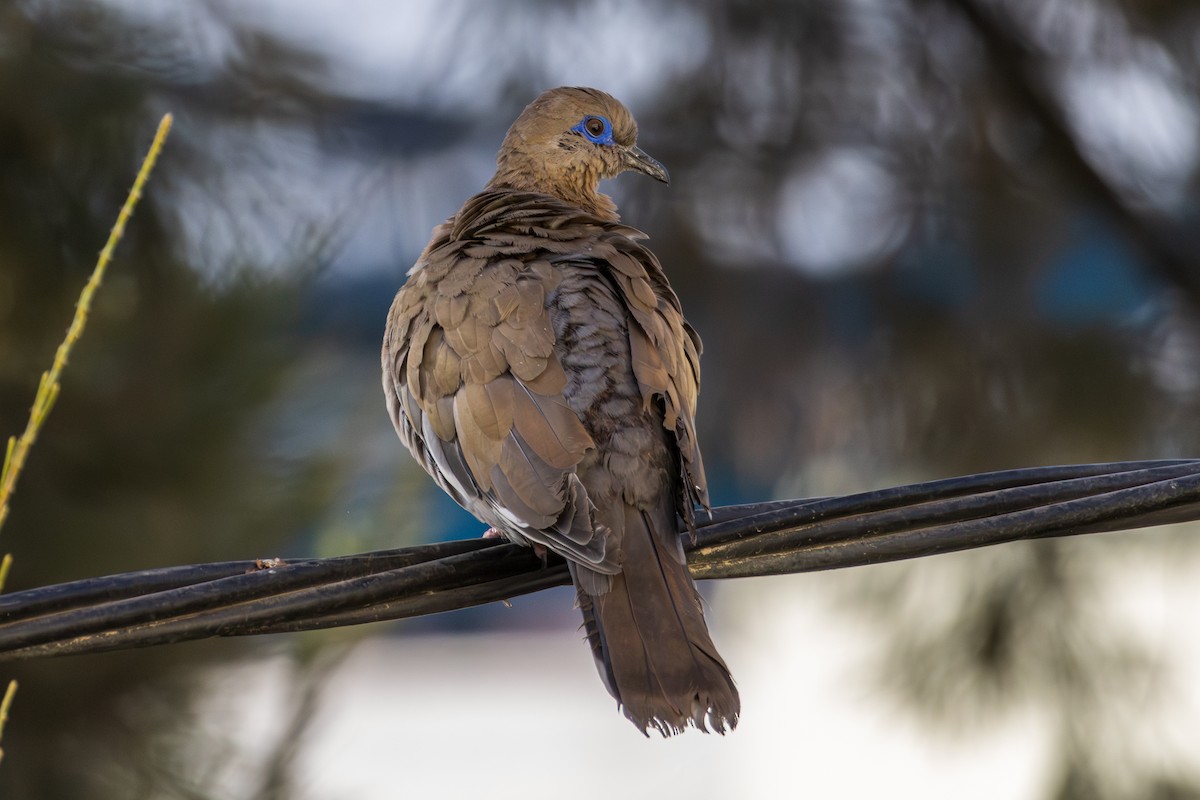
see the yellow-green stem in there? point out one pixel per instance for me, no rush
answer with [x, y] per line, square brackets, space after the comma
[5, 566]
[5, 705]
[18, 448]
[47, 393]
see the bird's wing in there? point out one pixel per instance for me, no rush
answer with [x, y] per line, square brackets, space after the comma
[475, 390]
[665, 350]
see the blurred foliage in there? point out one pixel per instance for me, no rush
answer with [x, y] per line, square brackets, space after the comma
[919, 238]
[155, 454]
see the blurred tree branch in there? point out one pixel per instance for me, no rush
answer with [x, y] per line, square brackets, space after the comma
[1022, 71]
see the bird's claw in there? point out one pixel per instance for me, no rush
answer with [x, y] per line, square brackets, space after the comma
[539, 550]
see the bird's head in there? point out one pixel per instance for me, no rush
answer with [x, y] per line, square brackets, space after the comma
[569, 139]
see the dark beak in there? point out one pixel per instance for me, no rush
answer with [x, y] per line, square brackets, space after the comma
[636, 158]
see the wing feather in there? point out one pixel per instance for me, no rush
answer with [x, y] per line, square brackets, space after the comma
[475, 390]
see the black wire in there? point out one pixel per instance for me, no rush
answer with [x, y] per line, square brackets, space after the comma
[252, 597]
[92, 591]
[866, 516]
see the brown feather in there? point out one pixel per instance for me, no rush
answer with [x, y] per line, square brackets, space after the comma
[550, 427]
[441, 418]
[538, 484]
[550, 381]
[479, 450]
[442, 368]
[450, 309]
[491, 405]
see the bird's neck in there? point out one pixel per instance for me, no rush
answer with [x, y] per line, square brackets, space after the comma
[579, 187]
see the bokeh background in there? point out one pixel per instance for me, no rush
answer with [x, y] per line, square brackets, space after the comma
[920, 238]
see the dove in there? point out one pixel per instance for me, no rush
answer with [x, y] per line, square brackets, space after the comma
[537, 364]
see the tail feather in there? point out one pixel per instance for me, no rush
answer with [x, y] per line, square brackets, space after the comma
[649, 638]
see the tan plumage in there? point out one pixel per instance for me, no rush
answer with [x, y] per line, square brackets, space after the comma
[538, 366]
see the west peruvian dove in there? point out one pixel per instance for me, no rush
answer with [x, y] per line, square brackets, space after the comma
[538, 366]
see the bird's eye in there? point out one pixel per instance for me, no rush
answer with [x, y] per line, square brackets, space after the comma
[596, 130]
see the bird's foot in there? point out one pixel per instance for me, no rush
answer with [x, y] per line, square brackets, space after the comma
[538, 549]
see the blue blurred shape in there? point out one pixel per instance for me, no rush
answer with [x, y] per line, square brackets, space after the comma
[1096, 279]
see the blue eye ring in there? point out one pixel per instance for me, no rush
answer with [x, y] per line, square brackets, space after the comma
[595, 129]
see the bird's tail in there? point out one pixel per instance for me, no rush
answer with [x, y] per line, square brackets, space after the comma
[647, 632]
